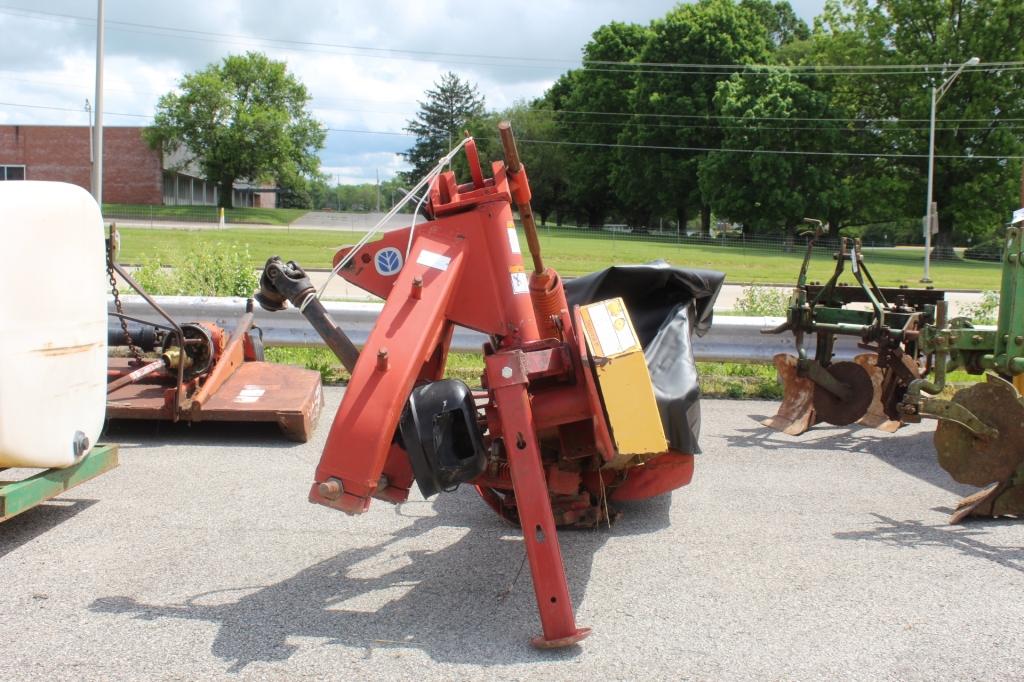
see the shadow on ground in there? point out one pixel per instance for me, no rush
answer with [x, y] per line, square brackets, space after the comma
[30, 524]
[468, 602]
[910, 452]
[155, 432]
[968, 539]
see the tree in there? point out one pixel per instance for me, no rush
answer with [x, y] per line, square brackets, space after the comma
[772, 192]
[598, 87]
[974, 119]
[784, 26]
[546, 162]
[675, 108]
[440, 122]
[245, 118]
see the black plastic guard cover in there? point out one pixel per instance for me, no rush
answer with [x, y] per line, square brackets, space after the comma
[667, 306]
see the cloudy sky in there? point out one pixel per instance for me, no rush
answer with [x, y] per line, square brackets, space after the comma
[365, 63]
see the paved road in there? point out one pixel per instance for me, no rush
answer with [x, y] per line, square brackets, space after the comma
[333, 220]
[825, 557]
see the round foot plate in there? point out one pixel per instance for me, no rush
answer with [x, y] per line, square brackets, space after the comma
[576, 637]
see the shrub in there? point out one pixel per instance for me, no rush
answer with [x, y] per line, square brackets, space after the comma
[156, 280]
[219, 271]
[758, 300]
[984, 311]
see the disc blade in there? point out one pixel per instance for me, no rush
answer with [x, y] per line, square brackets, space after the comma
[979, 461]
[834, 410]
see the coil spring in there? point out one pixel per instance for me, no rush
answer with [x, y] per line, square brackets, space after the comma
[548, 298]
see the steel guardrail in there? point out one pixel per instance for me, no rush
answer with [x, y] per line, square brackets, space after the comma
[731, 339]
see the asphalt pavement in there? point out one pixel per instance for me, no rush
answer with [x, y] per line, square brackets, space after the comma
[820, 557]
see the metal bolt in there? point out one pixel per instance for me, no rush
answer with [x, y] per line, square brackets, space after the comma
[382, 359]
[1018, 340]
[417, 287]
[80, 444]
[506, 372]
[331, 489]
[977, 338]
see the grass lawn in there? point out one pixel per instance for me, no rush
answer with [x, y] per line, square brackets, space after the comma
[258, 216]
[310, 248]
[578, 254]
[717, 379]
[575, 254]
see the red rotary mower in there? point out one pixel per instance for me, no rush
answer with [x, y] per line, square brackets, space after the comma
[570, 419]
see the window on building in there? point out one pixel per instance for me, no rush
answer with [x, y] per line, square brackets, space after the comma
[12, 172]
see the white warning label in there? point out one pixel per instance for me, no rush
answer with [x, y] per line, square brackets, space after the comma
[513, 240]
[433, 260]
[520, 283]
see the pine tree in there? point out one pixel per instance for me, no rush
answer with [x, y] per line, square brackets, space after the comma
[440, 122]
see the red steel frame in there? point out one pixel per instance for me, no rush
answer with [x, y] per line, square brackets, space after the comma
[465, 267]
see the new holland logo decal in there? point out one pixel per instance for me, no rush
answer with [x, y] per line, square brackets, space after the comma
[388, 261]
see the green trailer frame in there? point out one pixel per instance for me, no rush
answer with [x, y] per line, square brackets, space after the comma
[22, 495]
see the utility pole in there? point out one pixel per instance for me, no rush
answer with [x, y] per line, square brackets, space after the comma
[378, 190]
[937, 94]
[97, 132]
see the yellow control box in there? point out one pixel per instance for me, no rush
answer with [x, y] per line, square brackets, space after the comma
[624, 382]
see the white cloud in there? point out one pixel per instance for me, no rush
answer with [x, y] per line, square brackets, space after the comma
[47, 56]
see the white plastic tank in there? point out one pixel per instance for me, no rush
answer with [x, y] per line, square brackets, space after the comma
[53, 324]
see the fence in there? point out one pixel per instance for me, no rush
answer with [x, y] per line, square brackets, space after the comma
[157, 216]
[875, 238]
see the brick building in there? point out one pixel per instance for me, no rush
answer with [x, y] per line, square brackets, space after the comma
[133, 173]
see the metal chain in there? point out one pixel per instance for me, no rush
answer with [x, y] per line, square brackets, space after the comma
[132, 348]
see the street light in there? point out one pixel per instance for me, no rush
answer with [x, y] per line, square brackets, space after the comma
[937, 94]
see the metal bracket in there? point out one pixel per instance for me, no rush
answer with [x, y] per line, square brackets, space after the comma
[820, 376]
[945, 410]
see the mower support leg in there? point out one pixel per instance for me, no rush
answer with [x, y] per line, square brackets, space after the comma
[507, 377]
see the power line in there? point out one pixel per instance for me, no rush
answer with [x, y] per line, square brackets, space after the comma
[768, 70]
[755, 126]
[368, 132]
[892, 119]
[889, 124]
[516, 61]
[763, 151]
[283, 44]
[77, 111]
[80, 86]
[798, 67]
[20, 11]
[585, 144]
[623, 146]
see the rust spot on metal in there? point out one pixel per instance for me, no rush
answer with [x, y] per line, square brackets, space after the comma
[796, 413]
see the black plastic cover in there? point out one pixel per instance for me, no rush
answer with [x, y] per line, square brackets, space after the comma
[440, 433]
[667, 306]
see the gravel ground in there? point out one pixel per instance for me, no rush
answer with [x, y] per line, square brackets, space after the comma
[823, 557]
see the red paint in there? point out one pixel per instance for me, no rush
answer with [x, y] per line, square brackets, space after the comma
[545, 423]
